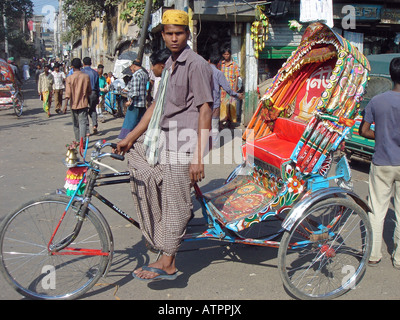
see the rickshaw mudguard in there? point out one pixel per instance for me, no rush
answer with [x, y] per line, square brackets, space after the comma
[299, 210]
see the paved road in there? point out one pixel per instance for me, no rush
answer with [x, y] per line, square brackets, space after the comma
[31, 152]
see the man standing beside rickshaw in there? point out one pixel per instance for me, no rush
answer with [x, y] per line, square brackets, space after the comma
[384, 176]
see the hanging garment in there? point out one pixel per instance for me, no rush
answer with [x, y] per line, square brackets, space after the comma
[317, 10]
[152, 137]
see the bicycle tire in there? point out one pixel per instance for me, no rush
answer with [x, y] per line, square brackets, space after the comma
[18, 104]
[31, 269]
[328, 262]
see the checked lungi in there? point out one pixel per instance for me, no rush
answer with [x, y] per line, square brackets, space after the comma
[161, 195]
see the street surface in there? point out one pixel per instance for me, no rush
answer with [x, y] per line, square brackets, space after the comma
[31, 153]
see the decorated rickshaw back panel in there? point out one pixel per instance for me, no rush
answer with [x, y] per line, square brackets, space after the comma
[7, 80]
[6, 73]
[323, 82]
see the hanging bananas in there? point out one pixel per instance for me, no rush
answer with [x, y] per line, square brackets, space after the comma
[259, 33]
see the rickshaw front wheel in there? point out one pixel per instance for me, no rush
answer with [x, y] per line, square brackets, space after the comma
[324, 255]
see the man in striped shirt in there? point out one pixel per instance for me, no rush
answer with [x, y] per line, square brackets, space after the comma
[228, 103]
[220, 83]
[136, 91]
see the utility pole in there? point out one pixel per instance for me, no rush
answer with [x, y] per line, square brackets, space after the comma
[5, 31]
[143, 34]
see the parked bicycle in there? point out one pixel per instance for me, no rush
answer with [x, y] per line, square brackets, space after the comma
[11, 97]
[18, 101]
[10, 91]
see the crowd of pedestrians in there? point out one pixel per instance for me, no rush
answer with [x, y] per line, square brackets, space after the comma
[54, 84]
[139, 90]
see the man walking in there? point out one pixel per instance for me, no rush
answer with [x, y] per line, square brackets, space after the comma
[58, 87]
[15, 69]
[25, 72]
[78, 89]
[45, 88]
[94, 96]
[161, 177]
[228, 103]
[219, 82]
[38, 71]
[136, 93]
[103, 87]
[384, 175]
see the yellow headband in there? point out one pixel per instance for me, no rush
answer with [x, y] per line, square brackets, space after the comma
[177, 17]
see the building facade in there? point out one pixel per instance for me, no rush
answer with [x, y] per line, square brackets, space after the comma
[373, 26]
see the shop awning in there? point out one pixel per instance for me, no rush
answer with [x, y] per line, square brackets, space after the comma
[277, 52]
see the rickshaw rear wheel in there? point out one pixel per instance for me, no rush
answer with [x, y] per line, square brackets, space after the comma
[326, 252]
[18, 104]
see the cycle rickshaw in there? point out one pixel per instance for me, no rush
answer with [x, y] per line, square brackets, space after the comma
[114, 102]
[10, 95]
[324, 236]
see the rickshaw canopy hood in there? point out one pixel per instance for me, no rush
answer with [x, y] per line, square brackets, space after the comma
[6, 72]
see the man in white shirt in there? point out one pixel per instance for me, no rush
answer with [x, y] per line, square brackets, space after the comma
[25, 72]
[58, 86]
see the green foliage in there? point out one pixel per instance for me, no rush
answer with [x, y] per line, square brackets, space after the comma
[134, 10]
[21, 46]
[13, 9]
[80, 13]
[16, 39]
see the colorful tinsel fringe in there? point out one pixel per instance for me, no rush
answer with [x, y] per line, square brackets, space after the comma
[74, 176]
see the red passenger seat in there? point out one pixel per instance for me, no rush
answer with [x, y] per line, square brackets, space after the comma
[277, 147]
